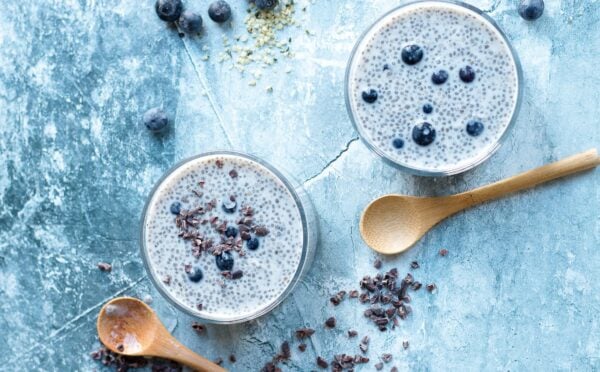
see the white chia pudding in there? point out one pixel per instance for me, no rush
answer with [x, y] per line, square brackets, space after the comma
[224, 235]
[433, 86]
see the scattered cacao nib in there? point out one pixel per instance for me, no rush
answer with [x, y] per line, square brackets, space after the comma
[233, 173]
[302, 347]
[187, 268]
[198, 193]
[322, 362]
[386, 357]
[394, 369]
[285, 353]
[198, 327]
[443, 252]
[337, 299]
[105, 267]
[218, 361]
[304, 332]
[167, 279]
[237, 274]
[270, 367]
[416, 286]
[330, 322]
[353, 293]
[261, 231]
[232, 358]
[405, 344]
[377, 264]
[247, 211]
[219, 163]
[121, 348]
[379, 366]
[123, 363]
[431, 287]
[364, 298]
[199, 307]
[352, 333]
[414, 265]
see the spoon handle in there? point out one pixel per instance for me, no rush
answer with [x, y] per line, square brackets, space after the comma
[573, 164]
[169, 348]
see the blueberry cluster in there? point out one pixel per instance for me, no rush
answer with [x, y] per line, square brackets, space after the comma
[191, 22]
[423, 134]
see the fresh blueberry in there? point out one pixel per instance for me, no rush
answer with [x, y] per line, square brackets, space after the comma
[427, 108]
[195, 274]
[265, 4]
[467, 74]
[423, 134]
[398, 143]
[175, 208]
[231, 232]
[253, 244]
[440, 77]
[190, 22]
[156, 120]
[168, 10]
[229, 206]
[412, 54]
[219, 11]
[531, 10]
[369, 96]
[474, 128]
[224, 261]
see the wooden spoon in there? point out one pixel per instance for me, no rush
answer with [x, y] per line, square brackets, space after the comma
[128, 326]
[393, 223]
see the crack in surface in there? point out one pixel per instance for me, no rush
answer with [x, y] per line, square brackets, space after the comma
[331, 162]
[57, 332]
[493, 7]
[209, 95]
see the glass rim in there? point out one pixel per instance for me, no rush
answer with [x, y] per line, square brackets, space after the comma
[159, 285]
[478, 159]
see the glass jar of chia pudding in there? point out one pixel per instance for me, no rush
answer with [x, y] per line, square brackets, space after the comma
[433, 87]
[226, 237]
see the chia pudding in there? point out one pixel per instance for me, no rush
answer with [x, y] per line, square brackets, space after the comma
[433, 86]
[225, 237]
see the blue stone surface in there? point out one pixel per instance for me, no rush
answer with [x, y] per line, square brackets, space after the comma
[518, 291]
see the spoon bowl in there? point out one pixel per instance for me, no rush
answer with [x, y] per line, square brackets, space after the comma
[129, 327]
[394, 223]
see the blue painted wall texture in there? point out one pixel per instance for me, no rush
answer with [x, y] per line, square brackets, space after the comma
[518, 291]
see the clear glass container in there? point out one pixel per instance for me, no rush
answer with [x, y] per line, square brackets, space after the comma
[350, 105]
[309, 238]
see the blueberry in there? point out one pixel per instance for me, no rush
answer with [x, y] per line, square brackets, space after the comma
[190, 22]
[231, 232]
[474, 128]
[531, 10]
[427, 108]
[175, 208]
[265, 4]
[423, 134]
[156, 120]
[412, 54]
[224, 261]
[398, 143]
[369, 96]
[219, 11]
[439, 77]
[168, 10]
[253, 244]
[195, 274]
[229, 206]
[467, 74]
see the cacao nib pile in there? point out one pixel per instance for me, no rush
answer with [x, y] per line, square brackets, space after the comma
[123, 363]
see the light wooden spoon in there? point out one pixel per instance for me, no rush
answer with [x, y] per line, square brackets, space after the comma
[393, 223]
[128, 326]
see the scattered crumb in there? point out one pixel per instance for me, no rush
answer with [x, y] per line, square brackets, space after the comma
[105, 267]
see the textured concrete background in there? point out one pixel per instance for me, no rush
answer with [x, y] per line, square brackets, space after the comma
[518, 291]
